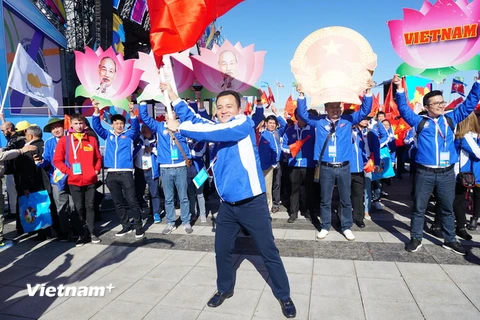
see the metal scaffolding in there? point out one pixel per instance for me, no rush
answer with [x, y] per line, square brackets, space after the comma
[81, 23]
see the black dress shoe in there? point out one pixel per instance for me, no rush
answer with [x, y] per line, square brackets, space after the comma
[288, 308]
[292, 219]
[218, 299]
[360, 224]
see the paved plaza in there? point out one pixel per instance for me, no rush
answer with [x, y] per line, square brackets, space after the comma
[172, 277]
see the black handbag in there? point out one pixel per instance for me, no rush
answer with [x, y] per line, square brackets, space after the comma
[466, 179]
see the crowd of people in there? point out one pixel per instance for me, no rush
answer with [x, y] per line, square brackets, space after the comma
[258, 163]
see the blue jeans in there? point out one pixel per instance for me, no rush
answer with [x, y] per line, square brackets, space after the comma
[175, 177]
[153, 189]
[327, 182]
[425, 183]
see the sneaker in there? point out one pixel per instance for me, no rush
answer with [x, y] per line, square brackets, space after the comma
[123, 232]
[378, 206]
[455, 247]
[275, 209]
[368, 216]
[462, 233]
[6, 244]
[203, 218]
[95, 239]
[436, 231]
[188, 228]
[413, 245]
[156, 218]
[349, 235]
[139, 233]
[322, 234]
[169, 228]
[80, 242]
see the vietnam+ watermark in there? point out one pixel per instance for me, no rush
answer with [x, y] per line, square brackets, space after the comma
[61, 290]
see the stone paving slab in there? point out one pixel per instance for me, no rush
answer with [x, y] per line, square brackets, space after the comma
[321, 288]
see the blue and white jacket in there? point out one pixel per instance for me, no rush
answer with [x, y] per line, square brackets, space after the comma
[118, 147]
[236, 164]
[305, 158]
[268, 149]
[48, 151]
[469, 155]
[143, 142]
[166, 147]
[365, 143]
[342, 137]
[430, 143]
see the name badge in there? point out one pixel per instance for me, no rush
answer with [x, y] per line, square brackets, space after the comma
[146, 162]
[77, 168]
[332, 151]
[444, 159]
[200, 178]
[174, 154]
[299, 155]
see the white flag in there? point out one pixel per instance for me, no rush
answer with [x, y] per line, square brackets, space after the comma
[28, 78]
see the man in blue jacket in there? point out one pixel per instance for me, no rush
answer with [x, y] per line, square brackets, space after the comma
[334, 131]
[436, 157]
[173, 161]
[119, 161]
[241, 187]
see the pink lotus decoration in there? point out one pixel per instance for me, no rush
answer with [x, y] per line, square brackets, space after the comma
[183, 70]
[437, 57]
[106, 77]
[228, 67]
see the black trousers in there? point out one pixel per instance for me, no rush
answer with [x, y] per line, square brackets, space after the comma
[121, 184]
[459, 205]
[83, 199]
[357, 187]
[277, 185]
[254, 216]
[299, 176]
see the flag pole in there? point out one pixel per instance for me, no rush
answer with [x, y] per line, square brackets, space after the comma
[276, 85]
[9, 81]
[167, 99]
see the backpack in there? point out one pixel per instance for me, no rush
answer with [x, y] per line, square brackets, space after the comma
[422, 122]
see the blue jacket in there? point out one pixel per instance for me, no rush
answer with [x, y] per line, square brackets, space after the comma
[382, 134]
[236, 164]
[166, 147]
[268, 149]
[139, 144]
[365, 143]
[429, 142]
[197, 150]
[342, 137]
[305, 157]
[48, 151]
[118, 148]
[469, 154]
[411, 143]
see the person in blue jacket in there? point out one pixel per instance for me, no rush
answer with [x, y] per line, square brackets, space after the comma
[118, 160]
[436, 156]
[335, 132]
[366, 146]
[301, 169]
[173, 170]
[241, 187]
[145, 157]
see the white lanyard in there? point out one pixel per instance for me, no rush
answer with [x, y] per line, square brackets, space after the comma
[75, 149]
[437, 128]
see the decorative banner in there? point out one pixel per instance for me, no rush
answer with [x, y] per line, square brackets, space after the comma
[106, 77]
[229, 67]
[438, 40]
[333, 65]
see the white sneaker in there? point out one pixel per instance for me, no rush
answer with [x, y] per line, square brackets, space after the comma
[378, 206]
[367, 216]
[322, 234]
[349, 235]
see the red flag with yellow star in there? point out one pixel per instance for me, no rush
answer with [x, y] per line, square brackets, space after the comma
[290, 106]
